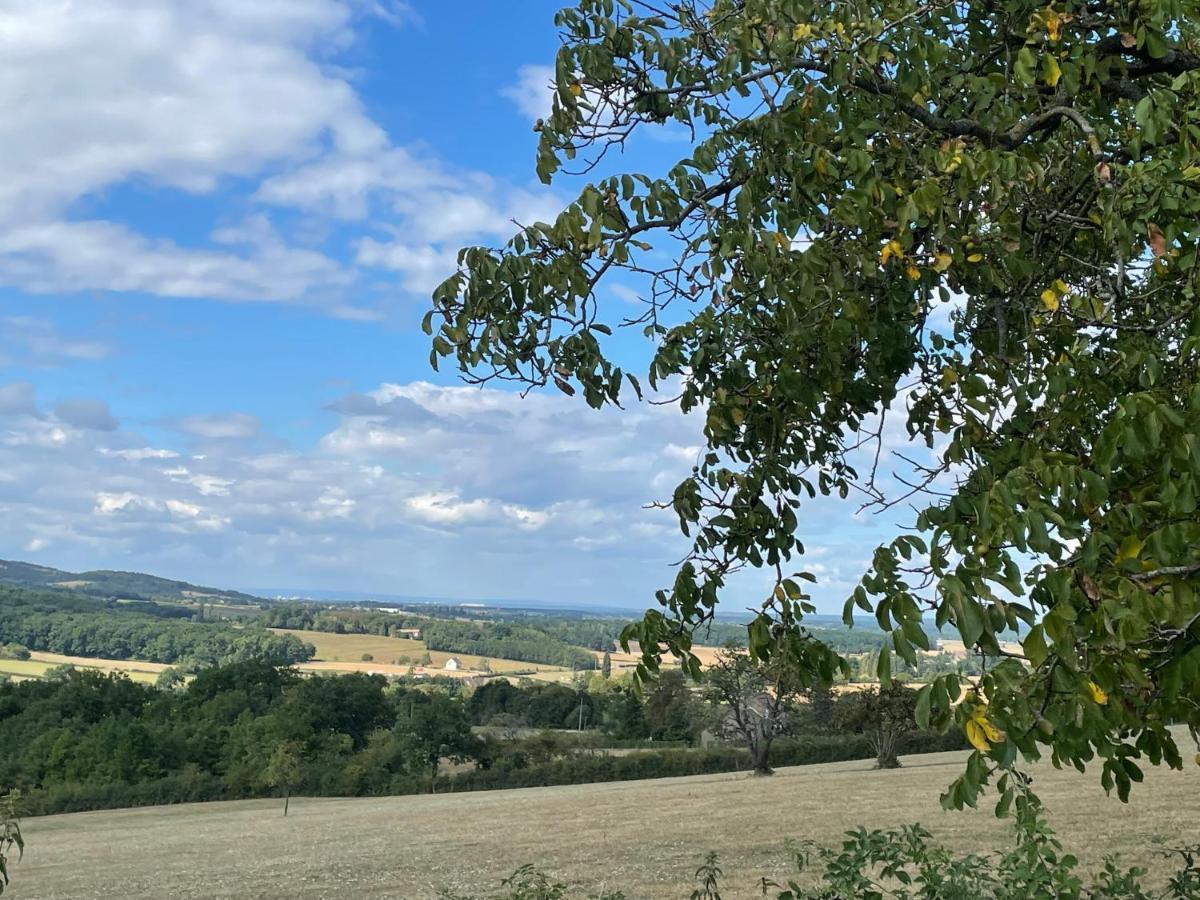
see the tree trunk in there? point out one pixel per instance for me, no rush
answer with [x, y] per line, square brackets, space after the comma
[287, 798]
[760, 752]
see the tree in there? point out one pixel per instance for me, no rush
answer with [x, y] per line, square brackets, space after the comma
[967, 225]
[753, 700]
[434, 726]
[14, 651]
[884, 714]
[169, 679]
[285, 770]
[606, 665]
[10, 837]
[820, 706]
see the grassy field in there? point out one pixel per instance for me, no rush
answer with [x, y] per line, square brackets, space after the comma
[344, 652]
[40, 663]
[588, 834]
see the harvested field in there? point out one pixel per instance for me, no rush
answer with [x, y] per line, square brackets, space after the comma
[410, 847]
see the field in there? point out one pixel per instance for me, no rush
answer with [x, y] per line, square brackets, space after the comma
[588, 834]
[40, 663]
[344, 653]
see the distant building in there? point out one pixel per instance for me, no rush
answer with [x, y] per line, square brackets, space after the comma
[453, 664]
[411, 633]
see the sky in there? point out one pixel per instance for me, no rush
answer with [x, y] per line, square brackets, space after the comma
[218, 233]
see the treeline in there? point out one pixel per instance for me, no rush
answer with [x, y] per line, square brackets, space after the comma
[496, 640]
[83, 740]
[80, 626]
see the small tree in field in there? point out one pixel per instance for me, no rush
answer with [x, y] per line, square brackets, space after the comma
[285, 770]
[606, 665]
[884, 714]
[752, 700]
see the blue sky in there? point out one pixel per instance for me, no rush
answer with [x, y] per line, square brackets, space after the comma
[221, 223]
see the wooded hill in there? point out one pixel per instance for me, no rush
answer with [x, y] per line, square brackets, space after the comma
[111, 583]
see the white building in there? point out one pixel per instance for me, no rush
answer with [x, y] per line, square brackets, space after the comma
[453, 664]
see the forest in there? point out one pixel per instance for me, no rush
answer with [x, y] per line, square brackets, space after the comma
[62, 622]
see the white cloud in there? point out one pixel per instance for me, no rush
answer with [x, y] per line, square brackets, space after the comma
[222, 426]
[533, 91]
[32, 341]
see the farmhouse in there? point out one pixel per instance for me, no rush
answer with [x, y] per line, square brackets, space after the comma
[453, 664]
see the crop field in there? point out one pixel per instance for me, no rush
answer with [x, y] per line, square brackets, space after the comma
[344, 653]
[588, 835]
[40, 663]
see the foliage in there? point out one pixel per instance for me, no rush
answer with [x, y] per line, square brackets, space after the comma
[884, 714]
[971, 225]
[285, 769]
[527, 883]
[10, 837]
[79, 626]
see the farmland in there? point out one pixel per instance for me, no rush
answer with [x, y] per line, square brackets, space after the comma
[469, 841]
[394, 656]
[40, 663]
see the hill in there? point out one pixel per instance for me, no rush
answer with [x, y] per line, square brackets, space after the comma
[587, 834]
[113, 583]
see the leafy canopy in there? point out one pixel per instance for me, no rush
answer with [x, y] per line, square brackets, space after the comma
[974, 219]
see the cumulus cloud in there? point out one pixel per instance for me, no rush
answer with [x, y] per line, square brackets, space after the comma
[90, 415]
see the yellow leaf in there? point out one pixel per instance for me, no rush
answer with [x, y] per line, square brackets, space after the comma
[576, 89]
[949, 376]
[975, 257]
[990, 731]
[1050, 300]
[942, 261]
[1051, 70]
[802, 32]
[976, 735]
[891, 249]
[1097, 693]
[1130, 547]
[912, 272]
[1060, 287]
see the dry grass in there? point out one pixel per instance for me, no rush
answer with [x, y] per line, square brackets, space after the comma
[645, 838]
[344, 652]
[40, 663]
